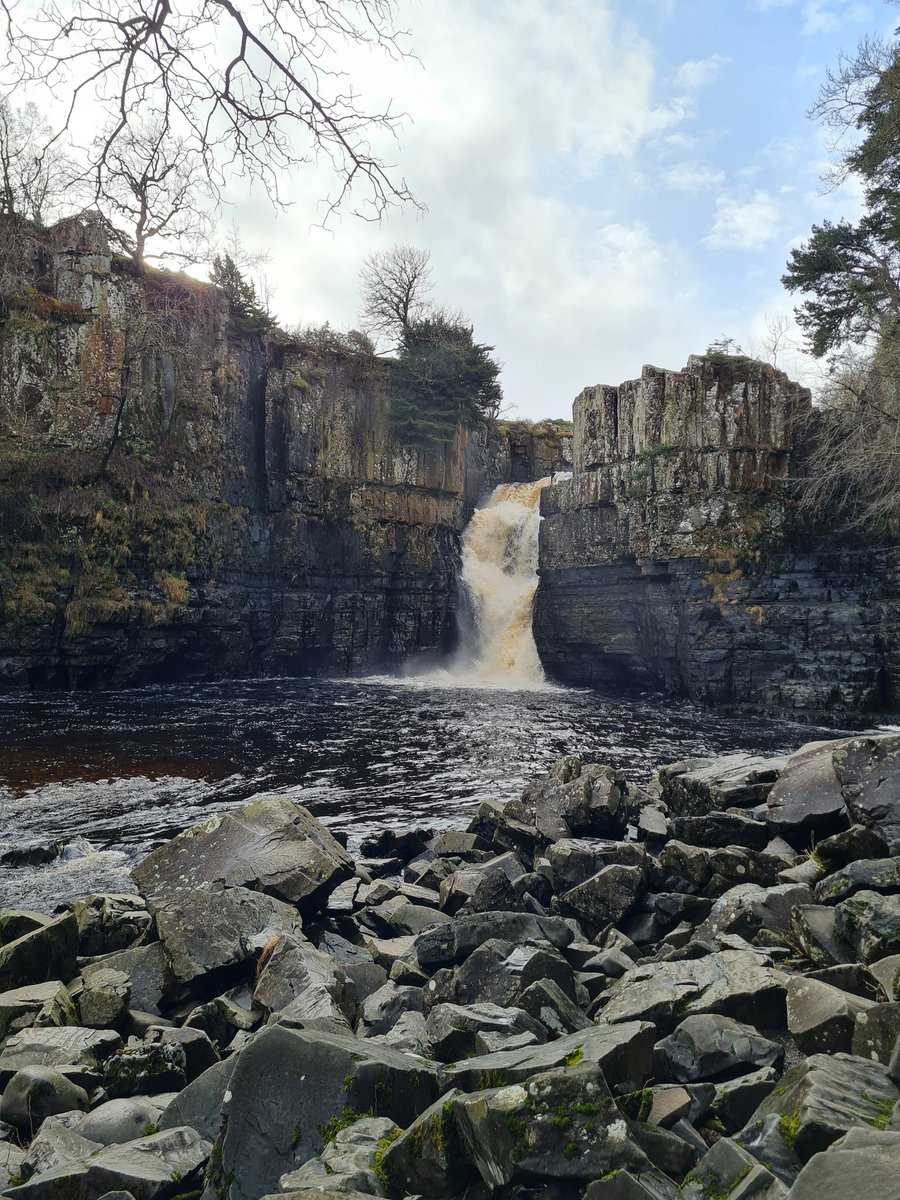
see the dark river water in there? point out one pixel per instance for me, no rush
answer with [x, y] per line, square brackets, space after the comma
[112, 774]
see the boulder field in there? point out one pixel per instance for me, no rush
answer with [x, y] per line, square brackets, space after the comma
[599, 990]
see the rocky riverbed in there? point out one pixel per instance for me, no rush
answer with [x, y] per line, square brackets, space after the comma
[597, 990]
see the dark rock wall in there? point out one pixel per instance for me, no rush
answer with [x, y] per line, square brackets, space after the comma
[257, 515]
[674, 558]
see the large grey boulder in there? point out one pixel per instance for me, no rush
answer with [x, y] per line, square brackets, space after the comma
[145, 1168]
[604, 899]
[146, 1070]
[44, 953]
[824, 1097]
[733, 983]
[867, 874]
[728, 1171]
[870, 922]
[347, 1162]
[290, 1092]
[573, 799]
[122, 1120]
[624, 1053]
[301, 985]
[452, 1029]
[36, 1004]
[747, 908]
[270, 845]
[562, 1125]
[200, 1104]
[820, 1017]
[103, 1002]
[571, 861]
[709, 1046]
[66, 1046]
[863, 1161]
[34, 1093]
[869, 771]
[702, 785]
[148, 971]
[499, 973]
[453, 943]
[807, 800]
[210, 938]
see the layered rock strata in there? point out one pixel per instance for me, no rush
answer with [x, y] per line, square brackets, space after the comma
[183, 495]
[675, 557]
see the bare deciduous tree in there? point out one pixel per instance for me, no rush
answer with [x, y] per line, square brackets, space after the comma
[396, 284]
[249, 85]
[151, 186]
[855, 444]
[34, 173]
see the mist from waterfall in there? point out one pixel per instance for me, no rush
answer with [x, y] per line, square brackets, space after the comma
[499, 573]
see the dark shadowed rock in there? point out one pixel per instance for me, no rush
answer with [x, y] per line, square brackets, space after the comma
[351, 1161]
[111, 922]
[453, 1028]
[209, 937]
[702, 785]
[623, 1052]
[43, 953]
[270, 845]
[734, 983]
[301, 984]
[876, 1032]
[573, 799]
[200, 1104]
[428, 1158]
[825, 1096]
[148, 971]
[807, 799]
[869, 771]
[146, 1070]
[874, 875]
[453, 943]
[288, 1085]
[709, 1046]
[730, 1172]
[870, 922]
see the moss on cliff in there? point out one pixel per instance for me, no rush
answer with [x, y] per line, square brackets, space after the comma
[91, 550]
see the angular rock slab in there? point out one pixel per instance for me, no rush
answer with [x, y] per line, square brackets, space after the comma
[36, 1004]
[862, 1162]
[62, 1047]
[452, 944]
[270, 845]
[287, 1086]
[706, 1046]
[733, 983]
[146, 1168]
[807, 800]
[42, 954]
[623, 1052]
[821, 1099]
[561, 1125]
[870, 922]
[869, 771]
[210, 936]
[821, 1017]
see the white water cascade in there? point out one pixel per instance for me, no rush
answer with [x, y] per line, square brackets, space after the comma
[499, 571]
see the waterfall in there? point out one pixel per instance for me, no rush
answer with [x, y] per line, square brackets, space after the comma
[499, 571]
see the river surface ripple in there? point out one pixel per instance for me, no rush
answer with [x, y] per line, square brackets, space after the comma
[113, 774]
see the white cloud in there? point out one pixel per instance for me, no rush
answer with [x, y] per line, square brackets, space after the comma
[692, 177]
[700, 73]
[820, 16]
[744, 224]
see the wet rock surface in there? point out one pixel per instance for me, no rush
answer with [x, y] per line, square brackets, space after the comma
[250, 1027]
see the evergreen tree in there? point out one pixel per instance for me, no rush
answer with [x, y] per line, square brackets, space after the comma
[443, 378]
[247, 314]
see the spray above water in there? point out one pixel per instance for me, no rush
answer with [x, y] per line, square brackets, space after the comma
[499, 571]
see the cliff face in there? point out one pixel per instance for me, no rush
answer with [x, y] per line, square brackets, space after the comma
[183, 496]
[674, 556]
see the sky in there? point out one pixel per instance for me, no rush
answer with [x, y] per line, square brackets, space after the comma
[607, 183]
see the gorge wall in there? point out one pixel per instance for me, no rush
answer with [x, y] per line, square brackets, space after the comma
[256, 514]
[675, 556]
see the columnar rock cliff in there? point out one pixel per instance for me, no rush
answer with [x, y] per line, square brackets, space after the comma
[183, 495]
[674, 556]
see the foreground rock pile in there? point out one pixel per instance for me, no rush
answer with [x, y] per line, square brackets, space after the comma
[691, 990]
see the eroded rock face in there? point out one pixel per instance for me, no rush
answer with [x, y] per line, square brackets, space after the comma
[649, 555]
